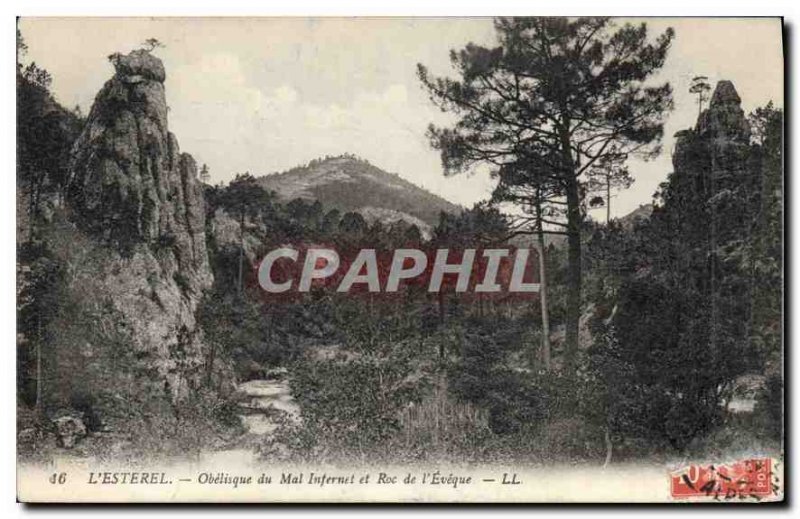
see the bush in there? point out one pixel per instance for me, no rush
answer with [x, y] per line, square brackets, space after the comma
[350, 408]
[770, 405]
[439, 428]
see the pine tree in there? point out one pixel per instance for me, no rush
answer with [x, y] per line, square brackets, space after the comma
[609, 174]
[245, 198]
[558, 94]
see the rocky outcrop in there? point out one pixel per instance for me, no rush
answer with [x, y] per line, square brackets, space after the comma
[724, 119]
[226, 232]
[721, 135]
[132, 188]
[69, 430]
[714, 161]
[712, 198]
[128, 180]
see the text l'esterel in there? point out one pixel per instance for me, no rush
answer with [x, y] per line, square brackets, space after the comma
[293, 269]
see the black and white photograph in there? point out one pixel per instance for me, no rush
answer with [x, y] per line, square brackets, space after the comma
[510, 259]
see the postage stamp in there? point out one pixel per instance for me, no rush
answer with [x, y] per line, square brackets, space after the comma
[752, 479]
[399, 260]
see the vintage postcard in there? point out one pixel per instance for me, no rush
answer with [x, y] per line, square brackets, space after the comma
[400, 260]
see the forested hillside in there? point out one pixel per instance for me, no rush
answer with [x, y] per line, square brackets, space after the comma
[347, 183]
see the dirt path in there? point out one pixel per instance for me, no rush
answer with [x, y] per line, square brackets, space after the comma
[262, 396]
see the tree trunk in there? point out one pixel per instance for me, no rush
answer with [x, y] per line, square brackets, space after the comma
[543, 293]
[440, 297]
[241, 253]
[573, 274]
[39, 389]
[609, 448]
[211, 357]
[33, 209]
[31, 206]
[608, 199]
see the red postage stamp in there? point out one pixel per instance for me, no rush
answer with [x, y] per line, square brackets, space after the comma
[752, 478]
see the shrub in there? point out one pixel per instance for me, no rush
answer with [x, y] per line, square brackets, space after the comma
[657, 376]
[351, 408]
[770, 405]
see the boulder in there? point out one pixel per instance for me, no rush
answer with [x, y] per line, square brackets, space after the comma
[70, 429]
[139, 65]
[27, 436]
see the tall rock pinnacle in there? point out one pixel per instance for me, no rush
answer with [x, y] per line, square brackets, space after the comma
[132, 189]
[724, 119]
[712, 162]
[128, 181]
[722, 128]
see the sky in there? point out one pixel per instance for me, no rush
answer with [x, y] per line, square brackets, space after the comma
[266, 94]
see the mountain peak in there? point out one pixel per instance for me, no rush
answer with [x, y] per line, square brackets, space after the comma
[349, 183]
